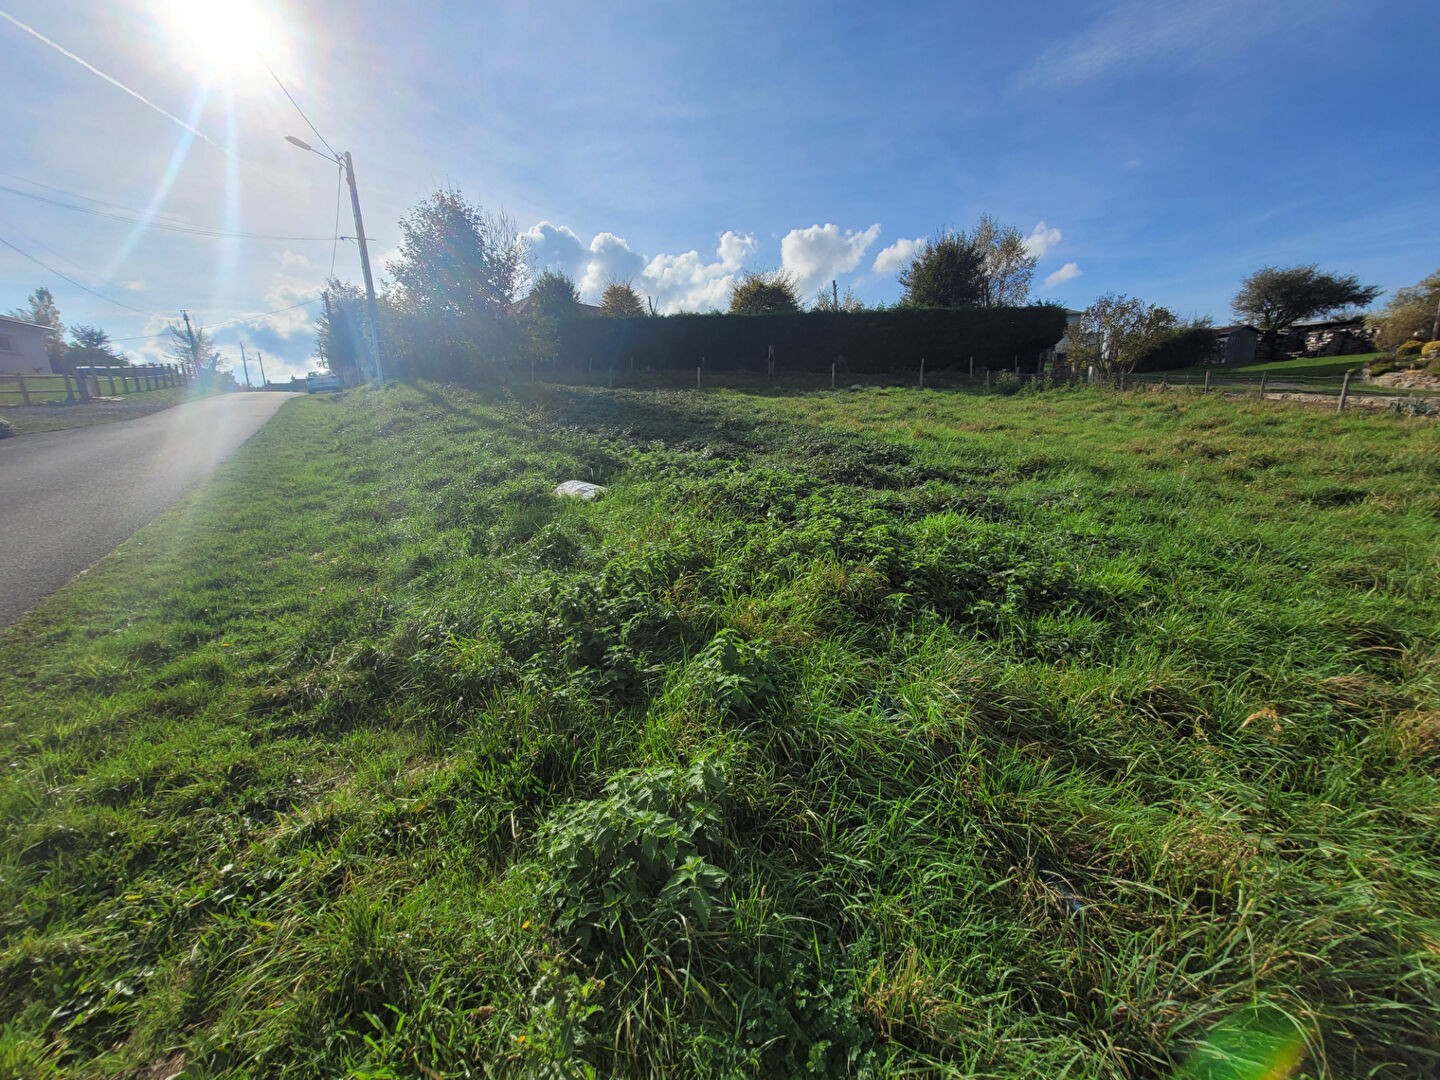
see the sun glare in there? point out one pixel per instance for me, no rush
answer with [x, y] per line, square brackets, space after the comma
[224, 42]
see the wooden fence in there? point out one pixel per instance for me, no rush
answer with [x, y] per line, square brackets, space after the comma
[87, 383]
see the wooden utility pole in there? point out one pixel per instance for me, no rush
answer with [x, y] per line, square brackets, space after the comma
[260, 359]
[365, 267]
[245, 365]
[194, 347]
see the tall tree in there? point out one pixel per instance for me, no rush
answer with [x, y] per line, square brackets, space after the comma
[764, 294]
[947, 272]
[456, 277]
[1116, 331]
[200, 356]
[42, 310]
[340, 332]
[1006, 264]
[1275, 298]
[91, 347]
[1413, 312]
[620, 301]
[458, 259]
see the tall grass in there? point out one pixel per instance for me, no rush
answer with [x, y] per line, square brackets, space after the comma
[883, 733]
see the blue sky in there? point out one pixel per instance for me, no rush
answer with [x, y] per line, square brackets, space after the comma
[1162, 150]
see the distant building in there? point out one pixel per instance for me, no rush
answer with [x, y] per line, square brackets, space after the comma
[1236, 344]
[22, 347]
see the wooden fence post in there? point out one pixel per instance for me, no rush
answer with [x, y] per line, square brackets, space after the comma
[80, 384]
[987, 378]
[1206, 390]
[1263, 376]
[922, 373]
[972, 367]
[832, 375]
[1344, 393]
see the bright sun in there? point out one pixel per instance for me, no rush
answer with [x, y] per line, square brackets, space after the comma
[223, 42]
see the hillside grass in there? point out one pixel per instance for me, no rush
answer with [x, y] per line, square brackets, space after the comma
[879, 733]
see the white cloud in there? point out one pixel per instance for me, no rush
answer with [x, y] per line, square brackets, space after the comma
[896, 256]
[688, 283]
[606, 258]
[1041, 240]
[609, 259]
[134, 286]
[820, 253]
[292, 260]
[1069, 272]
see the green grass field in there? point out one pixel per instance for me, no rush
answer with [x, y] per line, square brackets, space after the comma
[57, 416]
[888, 733]
[1312, 366]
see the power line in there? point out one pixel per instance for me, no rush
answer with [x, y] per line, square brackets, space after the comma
[300, 111]
[72, 281]
[135, 217]
[335, 244]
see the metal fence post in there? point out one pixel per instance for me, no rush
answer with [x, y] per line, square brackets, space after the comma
[1344, 393]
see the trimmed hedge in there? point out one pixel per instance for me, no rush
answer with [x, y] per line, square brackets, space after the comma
[869, 341]
[1187, 348]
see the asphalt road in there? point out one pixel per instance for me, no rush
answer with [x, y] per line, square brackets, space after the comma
[69, 498]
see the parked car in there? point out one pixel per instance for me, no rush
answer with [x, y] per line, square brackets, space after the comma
[321, 380]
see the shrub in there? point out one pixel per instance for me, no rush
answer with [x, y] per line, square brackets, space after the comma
[1006, 383]
[635, 859]
[1433, 367]
[1414, 406]
[1383, 366]
[1430, 349]
[1410, 348]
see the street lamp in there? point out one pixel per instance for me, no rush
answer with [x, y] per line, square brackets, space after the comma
[345, 163]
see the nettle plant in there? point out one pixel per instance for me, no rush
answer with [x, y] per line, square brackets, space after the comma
[636, 860]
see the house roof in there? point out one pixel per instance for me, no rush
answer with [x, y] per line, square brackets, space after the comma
[11, 321]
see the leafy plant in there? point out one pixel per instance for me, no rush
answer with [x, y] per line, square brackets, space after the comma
[637, 859]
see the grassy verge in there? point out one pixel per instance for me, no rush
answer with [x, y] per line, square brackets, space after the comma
[28, 419]
[870, 733]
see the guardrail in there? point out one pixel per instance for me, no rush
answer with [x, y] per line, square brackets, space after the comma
[17, 388]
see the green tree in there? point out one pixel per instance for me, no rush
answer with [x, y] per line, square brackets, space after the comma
[554, 296]
[1116, 331]
[458, 259]
[621, 301]
[91, 347]
[1275, 298]
[1411, 313]
[758, 293]
[340, 333]
[42, 310]
[456, 277]
[1006, 265]
[947, 272]
[200, 357]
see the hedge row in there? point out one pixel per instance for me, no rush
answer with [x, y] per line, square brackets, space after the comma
[868, 341]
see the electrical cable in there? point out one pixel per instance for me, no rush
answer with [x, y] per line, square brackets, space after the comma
[335, 244]
[66, 277]
[134, 217]
[301, 111]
